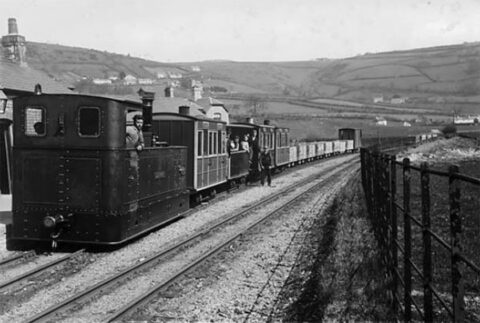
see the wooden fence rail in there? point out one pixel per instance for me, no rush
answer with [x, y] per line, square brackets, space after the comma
[407, 241]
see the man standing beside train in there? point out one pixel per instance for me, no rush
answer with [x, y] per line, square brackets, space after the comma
[265, 163]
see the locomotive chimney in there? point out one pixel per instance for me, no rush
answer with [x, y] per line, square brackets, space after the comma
[249, 120]
[266, 122]
[184, 110]
[147, 100]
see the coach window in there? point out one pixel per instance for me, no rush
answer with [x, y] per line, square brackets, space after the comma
[89, 121]
[269, 140]
[212, 143]
[222, 143]
[205, 142]
[35, 122]
[200, 143]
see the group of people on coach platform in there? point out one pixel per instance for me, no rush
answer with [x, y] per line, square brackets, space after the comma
[260, 159]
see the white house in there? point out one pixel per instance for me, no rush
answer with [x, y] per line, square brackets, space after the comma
[398, 100]
[145, 81]
[174, 75]
[380, 121]
[129, 80]
[378, 99]
[466, 119]
[407, 124]
[102, 81]
[214, 108]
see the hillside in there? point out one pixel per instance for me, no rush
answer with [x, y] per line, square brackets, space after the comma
[429, 75]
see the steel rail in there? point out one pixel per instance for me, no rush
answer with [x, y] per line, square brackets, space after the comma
[39, 269]
[144, 298]
[101, 286]
[13, 258]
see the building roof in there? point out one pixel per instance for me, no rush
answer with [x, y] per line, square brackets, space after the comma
[208, 102]
[23, 78]
[164, 104]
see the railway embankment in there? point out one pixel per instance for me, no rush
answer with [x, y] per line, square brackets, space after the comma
[338, 275]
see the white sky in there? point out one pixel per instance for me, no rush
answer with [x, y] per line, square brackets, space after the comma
[245, 30]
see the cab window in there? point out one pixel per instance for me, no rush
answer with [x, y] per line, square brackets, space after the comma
[89, 121]
[35, 121]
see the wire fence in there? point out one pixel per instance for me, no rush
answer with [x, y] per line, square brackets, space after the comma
[427, 223]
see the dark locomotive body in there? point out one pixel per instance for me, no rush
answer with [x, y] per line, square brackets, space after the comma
[74, 180]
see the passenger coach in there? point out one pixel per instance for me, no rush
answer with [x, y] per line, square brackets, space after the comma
[207, 160]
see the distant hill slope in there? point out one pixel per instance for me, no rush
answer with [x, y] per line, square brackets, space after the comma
[452, 71]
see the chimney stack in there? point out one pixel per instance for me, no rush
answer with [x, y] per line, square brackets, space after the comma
[12, 26]
[266, 122]
[14, 44]
[169, 93]
[184, 110]
[249, 120]
[197, 92]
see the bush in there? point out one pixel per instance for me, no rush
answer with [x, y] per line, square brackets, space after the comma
[449, 131]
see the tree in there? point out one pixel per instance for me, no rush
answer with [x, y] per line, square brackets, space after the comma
[121, 75]
[449, 131]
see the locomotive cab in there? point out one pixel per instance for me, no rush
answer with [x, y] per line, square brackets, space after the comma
[76, 182]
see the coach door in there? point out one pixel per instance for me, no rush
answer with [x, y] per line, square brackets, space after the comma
[212, 163]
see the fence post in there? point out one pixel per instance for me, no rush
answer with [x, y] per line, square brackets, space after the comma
[393, 237]
[427, 244]
[407, 270]
[456, 230]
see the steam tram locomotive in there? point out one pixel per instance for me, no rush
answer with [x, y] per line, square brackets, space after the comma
[76, 182]
[74, 179]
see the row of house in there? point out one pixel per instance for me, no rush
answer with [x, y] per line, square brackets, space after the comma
[130, 79]
[127, 80]
[396, 99]
[466, 119]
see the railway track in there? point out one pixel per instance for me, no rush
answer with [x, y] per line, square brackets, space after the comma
[61, 310]
[16, 257]
[35, 271]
